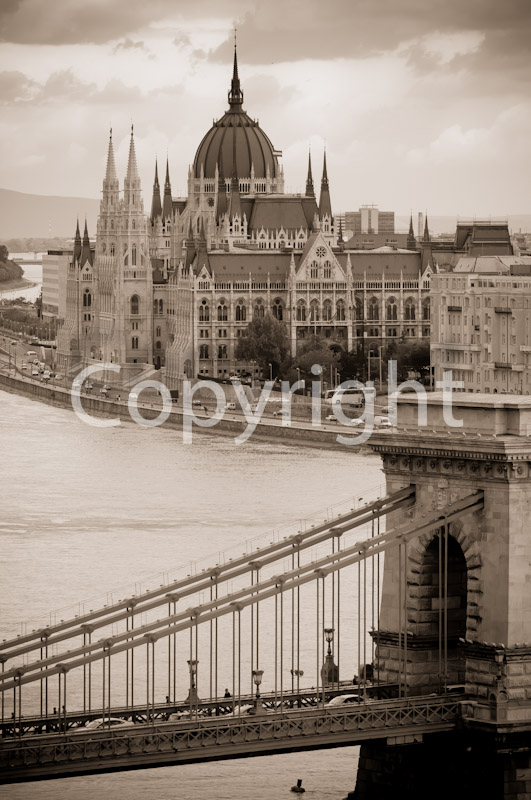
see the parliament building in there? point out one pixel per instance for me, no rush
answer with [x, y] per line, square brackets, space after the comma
[169, 293]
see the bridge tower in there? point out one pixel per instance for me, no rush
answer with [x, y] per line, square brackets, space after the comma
[456, 603]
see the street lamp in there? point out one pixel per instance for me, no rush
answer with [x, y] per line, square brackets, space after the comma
[298, 373]
[329, 670]
[270, 371]
[257, 678]
[296, 673]
[13, 342]
[192, 698]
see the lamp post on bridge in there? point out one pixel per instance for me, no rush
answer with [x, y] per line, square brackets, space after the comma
[329, 670]
[257, 678]
[296, 673]
[192, 698]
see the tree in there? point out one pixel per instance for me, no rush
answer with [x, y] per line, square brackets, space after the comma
[317, 351]
[266, 342]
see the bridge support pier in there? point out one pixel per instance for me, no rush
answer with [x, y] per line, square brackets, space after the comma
[443, 766]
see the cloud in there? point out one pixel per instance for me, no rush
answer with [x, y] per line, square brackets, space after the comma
[16, 87]
[128, 44]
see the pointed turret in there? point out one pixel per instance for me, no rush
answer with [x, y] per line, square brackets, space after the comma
[221, 208]
[411, 241]
[156, 207]
[310, 191]
[86, 255]
[110, 172]
[340, 242]
[167, 205]
[235, 94]
[426, 237]
[325, 207]
[132, 169]
[77, 244]
[190, 245]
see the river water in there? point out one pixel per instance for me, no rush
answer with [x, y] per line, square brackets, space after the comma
[87, 510]
[33, 273]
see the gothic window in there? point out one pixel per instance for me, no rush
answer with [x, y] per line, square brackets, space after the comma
[222, 311]
[241, 311]
[327, 270]
[392, 310]
[374, 309]
[157, 331]
[277, 308]
[134, 343]
[133, 255]
[340, 311]
[203, 351]
[409, 310]
[158, 346]
[314, 270]
[112, 248]
[359, 308]
[222, 351]
[87, 299]
[104, 248]
[133, 225]
[426, 309]
[259, 309]
[314, 311]
[161, 306]
[301, 311]
[134, 304]
[112, 224]
[320, 252]
[327, 310]
[204, 312]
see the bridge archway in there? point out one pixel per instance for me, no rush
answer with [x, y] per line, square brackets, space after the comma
[443, 573]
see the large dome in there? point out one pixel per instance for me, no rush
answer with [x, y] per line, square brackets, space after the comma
[236, 142]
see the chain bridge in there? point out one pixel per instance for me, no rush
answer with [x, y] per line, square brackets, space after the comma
[402, 624]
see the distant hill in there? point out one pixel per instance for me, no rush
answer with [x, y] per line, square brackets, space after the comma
[36, 215]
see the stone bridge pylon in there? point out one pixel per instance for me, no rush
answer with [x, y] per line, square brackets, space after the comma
[456, 602]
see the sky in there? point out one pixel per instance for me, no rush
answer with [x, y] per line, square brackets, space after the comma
[421, 104]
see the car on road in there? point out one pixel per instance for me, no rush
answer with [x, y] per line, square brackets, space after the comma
[330, 418]
[230, 407]
[104, 390]
[31, 353]
[197, 403]
[108, 722]
[23, 365]
[342, 700]
[383, 422]
[59, 377]
[35, 372]
[89, 385]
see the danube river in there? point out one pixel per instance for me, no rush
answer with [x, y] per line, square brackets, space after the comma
[87, 511]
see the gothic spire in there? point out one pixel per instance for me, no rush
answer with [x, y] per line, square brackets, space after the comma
[110, 172]
[235, 94]
[411, 241]
[426, 237]
[86, 255]
[156, 207]
[221, 208]
[77, 243]
[340, 242]
[132, 169]
[310, 191]
[167, 204]
[325, 207]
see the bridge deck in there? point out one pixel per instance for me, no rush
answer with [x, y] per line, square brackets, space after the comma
[205, 739]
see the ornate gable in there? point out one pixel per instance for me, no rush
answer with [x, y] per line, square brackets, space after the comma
[318, 261]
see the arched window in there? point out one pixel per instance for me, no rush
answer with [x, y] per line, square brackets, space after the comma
[241, 311]
[426, 309]
[158, 346]
[161, 306]
[409, 309]
[155, 306]
[134, 304]
[112, 248]
[157, 331]
[133, 255]
[340, 311]
[87, 298]
[203, 351]
[259, 309]
[314, 311]
[314, 270]
[301, 311]
[374, 309]
[204, 312]
[222, 351]
[104, 248]
[359, 308]
[327, 310]
[327, 270]
[277, 308]
[222, 311]
[392, 309]
[133, 225]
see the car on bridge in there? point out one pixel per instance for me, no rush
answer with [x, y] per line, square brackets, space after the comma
[108, 722]
[343, 700]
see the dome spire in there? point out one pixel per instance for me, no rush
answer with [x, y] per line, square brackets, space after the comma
[235, 94]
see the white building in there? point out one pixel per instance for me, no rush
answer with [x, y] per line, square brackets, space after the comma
[481, 324]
